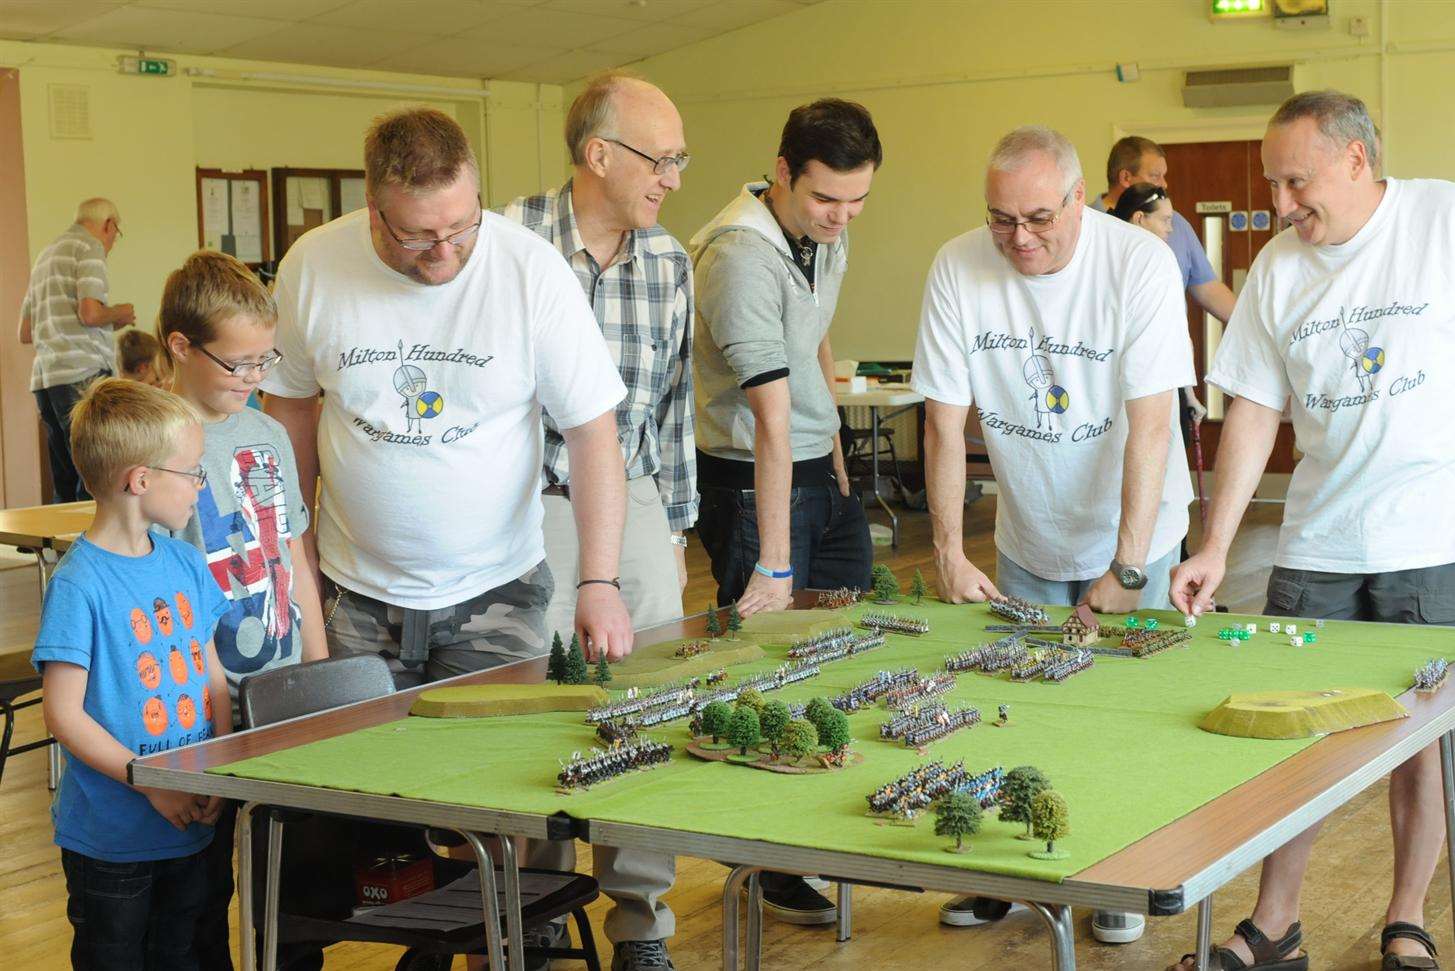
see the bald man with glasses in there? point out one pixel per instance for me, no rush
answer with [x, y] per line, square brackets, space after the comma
[1064, 327]
[638, 279]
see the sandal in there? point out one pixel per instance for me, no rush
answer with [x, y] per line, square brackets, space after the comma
[1407, 962]
[1279, 955]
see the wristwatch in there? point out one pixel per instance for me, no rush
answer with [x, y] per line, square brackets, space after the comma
[1130, 577]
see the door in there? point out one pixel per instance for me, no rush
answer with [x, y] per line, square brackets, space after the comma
[22, 451]
[1227, 177]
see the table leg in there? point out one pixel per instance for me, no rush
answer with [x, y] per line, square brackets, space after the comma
[874, 476]
[270, 891]
[1204, 934]
[846, 916]
[1447, 774]
[753, 939]
[53, 753]
[1063, 939]
[731, 915]
[515, 932]
[247, 943]
[489, 902]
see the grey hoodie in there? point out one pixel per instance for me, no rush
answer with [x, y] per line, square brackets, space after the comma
[756, 314]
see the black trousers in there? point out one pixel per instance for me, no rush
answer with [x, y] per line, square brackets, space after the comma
[828, 538]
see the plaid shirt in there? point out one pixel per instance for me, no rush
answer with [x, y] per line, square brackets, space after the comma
[643, 302]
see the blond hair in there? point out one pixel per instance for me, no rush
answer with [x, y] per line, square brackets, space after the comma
[593, 113]
[120, 424]
[134, 348]
[417, 149]
[96, 210]
[207, 288]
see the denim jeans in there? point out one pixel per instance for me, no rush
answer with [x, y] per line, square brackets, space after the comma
[1014, 580]
[828, 535]
[139, 916]
[55, 406]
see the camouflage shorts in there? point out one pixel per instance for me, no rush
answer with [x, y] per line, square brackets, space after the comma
[505, 624]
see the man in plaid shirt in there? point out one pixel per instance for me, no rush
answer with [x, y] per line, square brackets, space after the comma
[628, 150]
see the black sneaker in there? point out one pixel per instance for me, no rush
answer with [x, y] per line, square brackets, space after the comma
[540, 939]
[975, 911]
[793, 901]
[641, 956]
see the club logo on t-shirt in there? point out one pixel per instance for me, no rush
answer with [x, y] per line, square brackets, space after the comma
[1048, 398]
[420, 403]
[1364, 359]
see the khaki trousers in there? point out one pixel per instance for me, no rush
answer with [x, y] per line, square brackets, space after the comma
[634, 880]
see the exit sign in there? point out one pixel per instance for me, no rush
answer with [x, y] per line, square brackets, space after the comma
[1229, 9]
[154, 66]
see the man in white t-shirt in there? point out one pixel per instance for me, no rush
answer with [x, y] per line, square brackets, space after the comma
[1350, 315]
[437, 333]
[1065, 327]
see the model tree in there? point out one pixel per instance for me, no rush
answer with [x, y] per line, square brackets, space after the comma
[743, 730]
[1050, 821]
[833, 734]
[886, 587]
[576, 670]
[603, 669]
[715, 719]
[751, 698]
[773, 721]
[735, 619]
[556, 666]
[800, 739]
[714, 626]
[817, 710]
[917, 588]
[1018, 790]
[958, 814]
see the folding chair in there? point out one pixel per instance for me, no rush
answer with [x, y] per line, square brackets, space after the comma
[434, 926]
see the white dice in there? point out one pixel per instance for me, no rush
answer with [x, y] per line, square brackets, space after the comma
[1274, 627]
[1291, 629]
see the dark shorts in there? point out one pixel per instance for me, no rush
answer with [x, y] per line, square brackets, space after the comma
[1422, 596]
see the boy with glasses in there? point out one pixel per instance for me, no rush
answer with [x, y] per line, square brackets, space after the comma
[217, 323]
[1065, 327]
[125, 647]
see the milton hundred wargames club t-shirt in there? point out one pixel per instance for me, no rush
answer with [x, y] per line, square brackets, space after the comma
[1051, 361]
[139, 625]
[430, 436]
[1360, 339]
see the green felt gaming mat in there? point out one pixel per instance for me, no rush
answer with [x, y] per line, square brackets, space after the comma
[1119, 741]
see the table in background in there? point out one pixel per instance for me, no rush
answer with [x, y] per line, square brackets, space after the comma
[900, 398]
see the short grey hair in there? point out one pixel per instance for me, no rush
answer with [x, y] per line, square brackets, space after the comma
[593, 113]
[1342, 118]
[96, 210]
[1015, 149]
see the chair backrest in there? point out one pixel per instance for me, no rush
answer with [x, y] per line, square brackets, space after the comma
[302, 689]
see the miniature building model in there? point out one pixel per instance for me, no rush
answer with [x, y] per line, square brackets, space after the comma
[1081, 628]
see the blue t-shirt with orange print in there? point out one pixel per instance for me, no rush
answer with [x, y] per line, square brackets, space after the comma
[139, 626]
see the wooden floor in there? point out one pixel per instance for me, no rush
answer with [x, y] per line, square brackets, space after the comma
[1343, 903]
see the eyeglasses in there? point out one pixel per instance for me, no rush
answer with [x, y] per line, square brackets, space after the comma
[421, 245]
[245, 369]
[660, 166]
[200, 475]
[1003, 225]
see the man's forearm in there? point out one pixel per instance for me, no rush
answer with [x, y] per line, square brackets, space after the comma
[598, 494]
[772, 486]
[299, 418]
[1215, 297]
[1249, 431]
[945, 475]
[1144, 472]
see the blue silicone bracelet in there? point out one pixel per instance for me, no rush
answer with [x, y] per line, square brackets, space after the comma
[773, 574]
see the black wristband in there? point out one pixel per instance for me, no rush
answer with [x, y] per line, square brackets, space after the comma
[615, 582]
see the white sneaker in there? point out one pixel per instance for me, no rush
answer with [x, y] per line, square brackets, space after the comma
[1110, 927]
[975, 911]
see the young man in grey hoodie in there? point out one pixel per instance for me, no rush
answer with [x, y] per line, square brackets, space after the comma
[777, 513]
